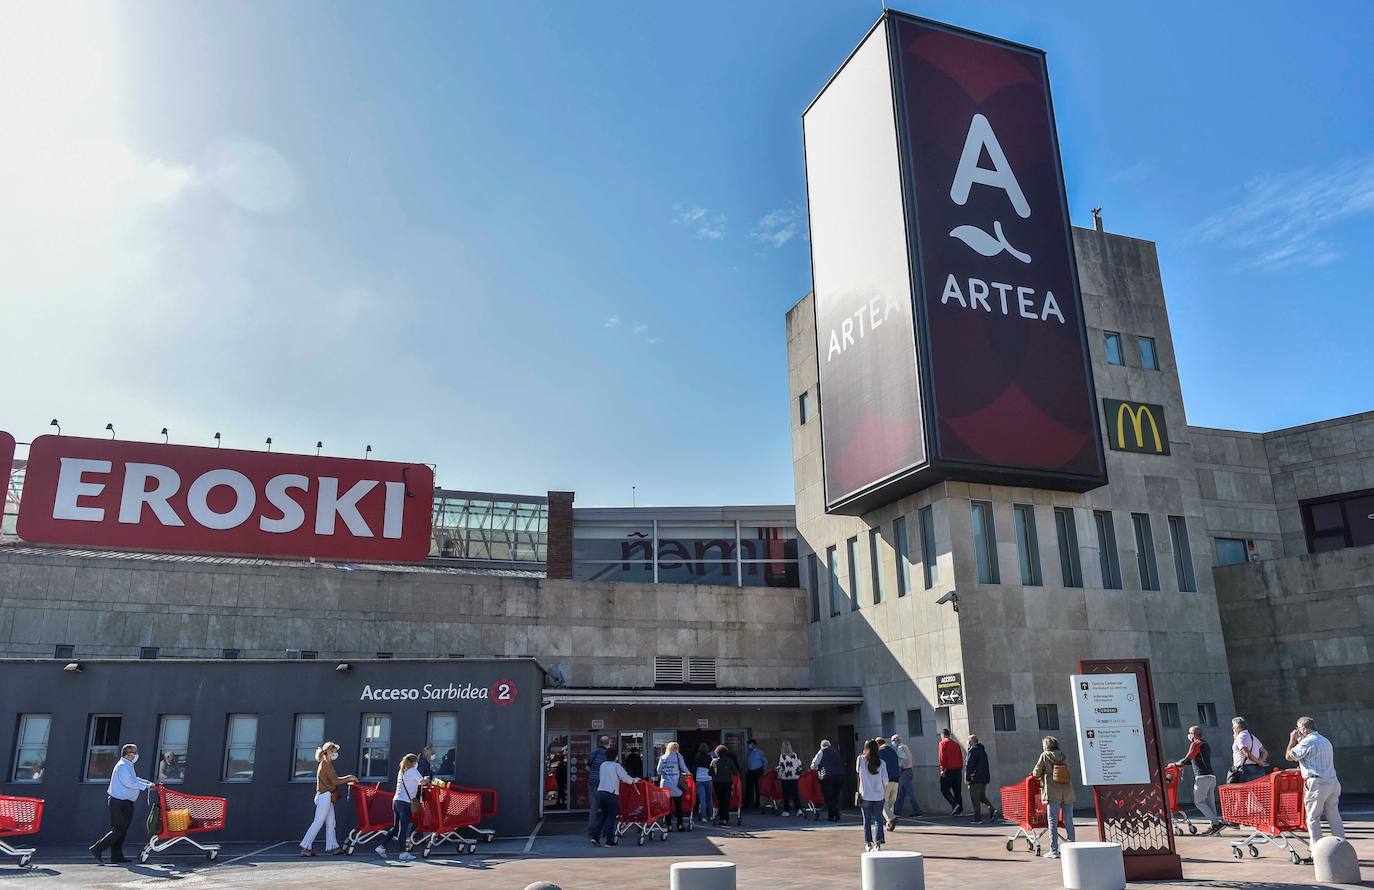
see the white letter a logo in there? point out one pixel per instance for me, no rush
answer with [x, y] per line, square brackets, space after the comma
[980, 136]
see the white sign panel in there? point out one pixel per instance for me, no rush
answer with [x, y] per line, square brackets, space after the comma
[1111, 731]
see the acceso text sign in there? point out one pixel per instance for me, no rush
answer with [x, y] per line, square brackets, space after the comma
[950, 336]
[187, 499]
[949, 689]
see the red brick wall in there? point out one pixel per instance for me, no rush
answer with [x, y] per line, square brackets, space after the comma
[560, 554]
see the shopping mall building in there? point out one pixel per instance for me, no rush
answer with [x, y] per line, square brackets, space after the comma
[911, 588]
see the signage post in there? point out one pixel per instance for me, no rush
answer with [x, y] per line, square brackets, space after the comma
[949, 689]
[1120, 756]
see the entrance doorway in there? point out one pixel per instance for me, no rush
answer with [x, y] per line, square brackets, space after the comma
[847, 758]
[690, 740]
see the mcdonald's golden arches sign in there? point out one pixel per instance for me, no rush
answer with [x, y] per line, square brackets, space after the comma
[1138, 427]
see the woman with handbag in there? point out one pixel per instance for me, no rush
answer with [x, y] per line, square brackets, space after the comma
[872, 793]
[723, 772]
[672, 774]
[702, 762]
[405, 805]
[327, 785]
[1056, 789]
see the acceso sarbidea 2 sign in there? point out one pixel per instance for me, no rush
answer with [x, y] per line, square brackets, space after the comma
[186, 499]
[501, 693]
[976, 301]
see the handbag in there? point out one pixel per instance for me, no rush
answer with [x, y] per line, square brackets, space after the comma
[416, 801]
[682, 774]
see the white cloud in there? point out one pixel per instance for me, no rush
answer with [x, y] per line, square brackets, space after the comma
[252, 176]
[1279, 220]
[641, 328]
[613, 321]
[781, 226]
[651, 340]
[706, 225]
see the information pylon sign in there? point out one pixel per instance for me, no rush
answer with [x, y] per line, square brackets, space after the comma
[1114, 708]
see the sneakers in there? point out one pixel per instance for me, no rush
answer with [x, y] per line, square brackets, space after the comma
[1050, 855]
[381, 850]
[957, 811]
[596, 841]
[891, 825]
[406, 857]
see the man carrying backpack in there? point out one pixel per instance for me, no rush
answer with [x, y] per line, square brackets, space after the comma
[1249, 760]
[1056, 789]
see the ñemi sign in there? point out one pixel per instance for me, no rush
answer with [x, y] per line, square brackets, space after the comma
[143, 496]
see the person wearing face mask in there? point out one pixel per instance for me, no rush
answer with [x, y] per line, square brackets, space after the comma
[327, 784]
[125, 786]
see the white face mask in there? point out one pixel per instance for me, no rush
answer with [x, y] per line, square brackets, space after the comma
[134, 759]
[334, 755]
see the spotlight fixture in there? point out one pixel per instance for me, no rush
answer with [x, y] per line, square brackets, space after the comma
[109, 428]
[54, 422]
[73, 667]
[216, 440]
[318, 446]
[164, 435]
[343, 667]
[269, 443]
[367, 452]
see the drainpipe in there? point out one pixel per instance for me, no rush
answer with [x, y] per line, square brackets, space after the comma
[539, 749]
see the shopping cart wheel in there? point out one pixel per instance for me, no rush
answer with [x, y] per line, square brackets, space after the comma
[1035, 848]
[663, 836]
[143, 856]
[1178, 830]
[1292, 856]
[212, 855]
[1192, 829]
[491, 837]
[641, 838]
[1254, 852]
[28, 857]
[1235, 851]
[1009, 846]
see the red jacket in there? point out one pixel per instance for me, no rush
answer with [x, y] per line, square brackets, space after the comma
[951, 755]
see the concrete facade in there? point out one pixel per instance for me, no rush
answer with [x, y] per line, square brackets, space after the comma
[1016, 643]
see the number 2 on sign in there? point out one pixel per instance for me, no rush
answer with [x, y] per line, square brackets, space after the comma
[503, 692]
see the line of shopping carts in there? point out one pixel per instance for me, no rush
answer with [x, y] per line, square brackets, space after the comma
[447, 813]
[808, 791]
[1272, 808]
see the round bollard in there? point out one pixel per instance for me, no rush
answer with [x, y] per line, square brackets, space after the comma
[1336, 861]
[703, 876]
[543, 885]
[1093, 865]
[893, 870]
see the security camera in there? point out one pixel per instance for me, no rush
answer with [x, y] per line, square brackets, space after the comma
[952, 598]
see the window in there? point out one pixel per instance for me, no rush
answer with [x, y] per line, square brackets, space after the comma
[1183, 554]
[443, 738]
[1145, 552]
[889, 724]
[875, 537]
[899, 541]
[804, 407]
[148, 653]
[1047, 716]
[240, 747]
[1230, 551]
[31, 747]
[1113, 340]
[63, 651]
[814, 572]
[230, 654]
[1106, 550]
[930, 564]
[915, 726]
[1070, 567]
[309, 654]
[1168, 714]
[375, 751]
[1148, 360]
[833, 568]
[1027, 545]
[1003, 718]
[102, 747]
[1206, 713]
[172, 737]
[1346, 520]
[851, 548]
[985, 543]
[309, 736]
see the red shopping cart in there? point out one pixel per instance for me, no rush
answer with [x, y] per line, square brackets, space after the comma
[736, 801]
[1172, 776]
[770, 791]
[375, 815]
[642, 806]
[1021, 804]
[1271, 807]
[184, 815]
[689, 803]
[444, 813]
[811, 795]
[19, 816]
[488, 798]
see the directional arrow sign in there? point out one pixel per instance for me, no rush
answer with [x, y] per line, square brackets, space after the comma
[1106, 708]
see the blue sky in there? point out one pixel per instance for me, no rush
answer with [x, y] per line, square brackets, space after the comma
[551, 245]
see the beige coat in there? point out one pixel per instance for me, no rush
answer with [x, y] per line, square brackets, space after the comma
[1050, 789]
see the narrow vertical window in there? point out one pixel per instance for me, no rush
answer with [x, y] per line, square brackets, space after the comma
[1047, 717]
[375, 750]
[240, 747]
[930, 563]
[1113, 342]
[899, 541]
[172, 739]
[31, 748]
[1145, 552]
[915, 725]
[1183, 554]
[102, 747]
[1027, 545]
[443, 738]
[1148, 358]
[804, 407]
[851, 548]
[309, 735]
[985, 543]
[833, 569]
[814, 572]
[1107, 557]
[1070, 567]
[1168, 714]
[875, 537]
[1003, 718]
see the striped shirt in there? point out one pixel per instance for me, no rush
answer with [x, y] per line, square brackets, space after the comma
[1315, 756]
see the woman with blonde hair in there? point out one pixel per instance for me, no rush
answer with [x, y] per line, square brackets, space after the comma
[408, 782]
[789, 773]
[673, 775]
[327, 784]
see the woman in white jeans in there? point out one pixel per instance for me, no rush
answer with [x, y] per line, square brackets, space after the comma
[327, 783]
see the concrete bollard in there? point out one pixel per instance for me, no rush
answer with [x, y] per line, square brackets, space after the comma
[543, 885]
[893, 870]
[1336, 861]
[1092, 865]
[703, 876]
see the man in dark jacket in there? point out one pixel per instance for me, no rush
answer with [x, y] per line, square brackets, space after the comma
[831, 773]
[893, 762]
[978, 774]
[593, 779]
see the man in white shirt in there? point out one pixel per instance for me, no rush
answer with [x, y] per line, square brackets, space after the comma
[125, 787]
[608, 795]
[906, 781]
[1313, 753]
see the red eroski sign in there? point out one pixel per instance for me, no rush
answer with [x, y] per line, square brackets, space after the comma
[178, 498]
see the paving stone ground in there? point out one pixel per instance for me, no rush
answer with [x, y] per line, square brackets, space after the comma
[770, 852]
